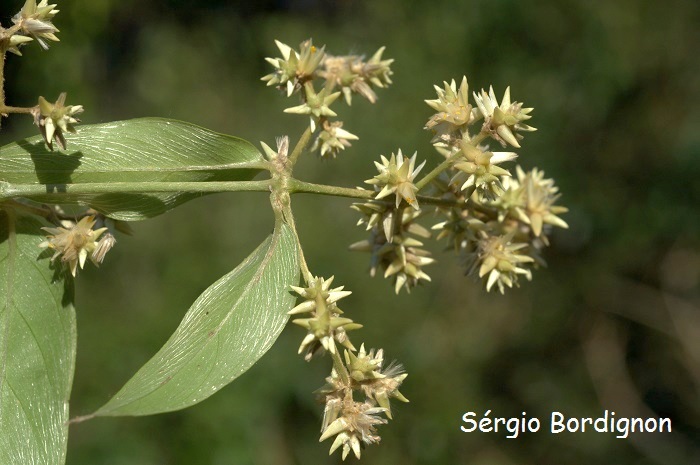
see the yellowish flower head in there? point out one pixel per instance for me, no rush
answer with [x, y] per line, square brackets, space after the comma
[75, 243]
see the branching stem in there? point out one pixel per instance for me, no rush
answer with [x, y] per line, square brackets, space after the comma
[5, 110]
[65, 192]
[296, 185]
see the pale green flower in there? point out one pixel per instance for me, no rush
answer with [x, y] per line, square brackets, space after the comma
[354, 75]
[355, 424]
[499, 260]
[365, 369]
[532, 199]
[459, 229]
[364, 366]
[318, 290]
[54, 119]
[325, 325]
[377, 70]
[35, 20]
[454, 113]
[332, 139]
[482, 170]
[294, 69]
[402, 259]
[374, 213]
[379, 215]
[391, 248]
[503, 120]
[316, 104]
[396, 176]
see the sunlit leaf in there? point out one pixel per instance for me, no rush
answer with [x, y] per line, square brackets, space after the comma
[227, 329]
[138, 150]
[37, 348]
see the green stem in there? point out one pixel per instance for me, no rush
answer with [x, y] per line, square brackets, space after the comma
[60, 192]
[24, 110]
[448, 162]
[301, 145]
[301, 186]
[6, 34]
[439, 202]
[10, 31]
[297, 186]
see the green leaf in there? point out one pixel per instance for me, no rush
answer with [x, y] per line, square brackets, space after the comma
[138, 150]
[37, 348]
[227, 329]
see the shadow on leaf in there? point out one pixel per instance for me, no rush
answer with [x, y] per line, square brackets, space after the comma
[54, 169]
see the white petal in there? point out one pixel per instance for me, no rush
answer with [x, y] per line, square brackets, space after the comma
[500, 157]
[493, 277]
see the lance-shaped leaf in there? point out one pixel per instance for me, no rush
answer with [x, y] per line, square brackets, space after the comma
[138, 150]
[227, 329]
[37, 348]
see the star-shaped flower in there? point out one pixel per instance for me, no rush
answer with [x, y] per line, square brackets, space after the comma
[503, 120]
[396, 176]
[76, 242]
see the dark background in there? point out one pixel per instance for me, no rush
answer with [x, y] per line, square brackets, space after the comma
[612, 323]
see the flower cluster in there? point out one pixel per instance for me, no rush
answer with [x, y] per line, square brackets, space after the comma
[299, 73]
[497, 224]
[358, 373]
[75, 242]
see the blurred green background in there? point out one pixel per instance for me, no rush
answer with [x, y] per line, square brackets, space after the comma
[612, 323]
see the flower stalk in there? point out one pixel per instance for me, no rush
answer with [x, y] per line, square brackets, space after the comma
[300, 147]
[448, 162]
